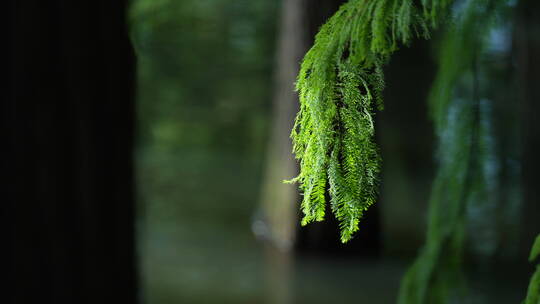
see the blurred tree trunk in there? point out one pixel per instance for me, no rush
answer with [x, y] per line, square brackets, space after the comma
[278, 200]
[68, 124]
[528, 69]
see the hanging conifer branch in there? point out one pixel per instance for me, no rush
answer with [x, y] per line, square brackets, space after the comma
[340, 86]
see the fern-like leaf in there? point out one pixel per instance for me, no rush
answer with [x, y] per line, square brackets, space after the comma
[340, 86]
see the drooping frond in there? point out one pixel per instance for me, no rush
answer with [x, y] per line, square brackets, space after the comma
[460, 111]
[340, 86]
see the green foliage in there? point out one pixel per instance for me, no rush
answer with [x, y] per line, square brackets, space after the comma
[340, 84]
[533, 293]
[208, 63]
[462, 124]
[202, 107]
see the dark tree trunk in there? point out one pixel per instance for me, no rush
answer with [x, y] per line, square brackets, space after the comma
[68, 130]
[527, 51]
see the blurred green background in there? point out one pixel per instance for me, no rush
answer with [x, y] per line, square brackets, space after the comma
[207, 81]
[205, 69]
